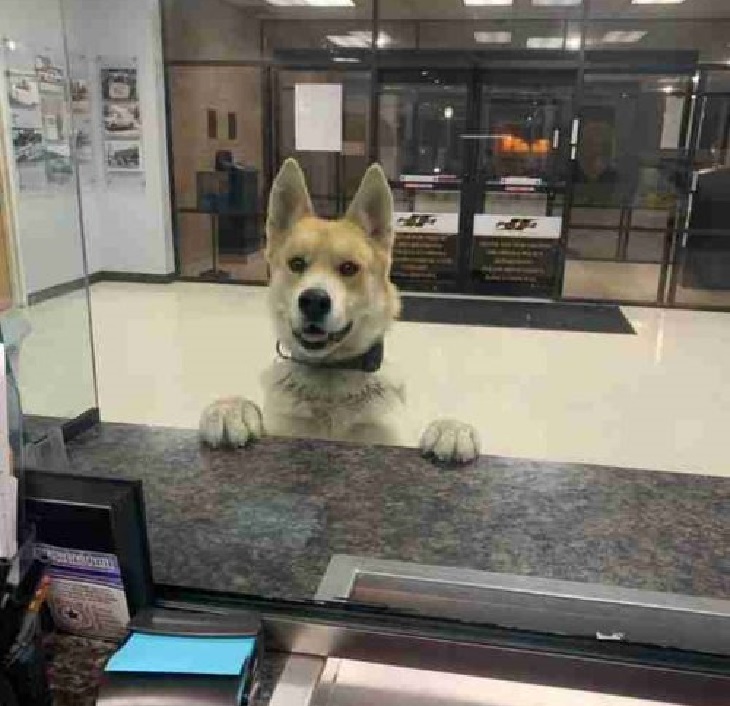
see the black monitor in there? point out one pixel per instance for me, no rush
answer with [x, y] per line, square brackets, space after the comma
[101, 516]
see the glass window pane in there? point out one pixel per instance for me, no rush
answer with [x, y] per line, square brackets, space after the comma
[590, 243]
[632, 141]
[198, 30]
[209, 159]
[45, 324]
[333, 177]
[621, 281]
[524, 131]
[421, 125]
[704, 251]
[646, 247]
[501, 166]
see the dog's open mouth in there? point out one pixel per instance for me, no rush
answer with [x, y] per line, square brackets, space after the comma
[314, 338]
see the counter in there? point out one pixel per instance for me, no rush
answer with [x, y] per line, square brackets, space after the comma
[267, 520]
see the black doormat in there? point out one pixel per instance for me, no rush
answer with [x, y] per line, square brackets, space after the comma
[588, 318]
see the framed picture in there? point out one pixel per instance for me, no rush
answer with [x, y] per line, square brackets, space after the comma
[80, 102]
[123, 156]
[28, 145]
[55, 117]
[119, 84]
[59, 169]
[50, 76]
[26, 119]
[23, 93]
[122, 120]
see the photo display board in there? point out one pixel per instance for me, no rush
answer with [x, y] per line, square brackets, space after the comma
[121, 120]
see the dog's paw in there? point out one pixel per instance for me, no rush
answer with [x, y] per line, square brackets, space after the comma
[231, 422]
[450, 441]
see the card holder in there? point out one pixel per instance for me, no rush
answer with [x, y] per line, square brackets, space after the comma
[141, 685]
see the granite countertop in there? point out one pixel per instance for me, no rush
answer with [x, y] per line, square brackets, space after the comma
[75, 665]
[267, 520]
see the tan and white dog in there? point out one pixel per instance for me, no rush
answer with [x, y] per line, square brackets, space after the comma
[332, 302]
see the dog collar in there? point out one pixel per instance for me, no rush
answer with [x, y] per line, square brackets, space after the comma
[369, 362]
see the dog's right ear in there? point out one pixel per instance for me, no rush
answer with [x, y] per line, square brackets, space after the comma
[372, 207]
[289, 201]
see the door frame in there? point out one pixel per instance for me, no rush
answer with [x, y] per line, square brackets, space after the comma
[474, 74]
[472, 202]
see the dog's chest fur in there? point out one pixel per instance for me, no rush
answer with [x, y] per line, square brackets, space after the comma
[330, 402]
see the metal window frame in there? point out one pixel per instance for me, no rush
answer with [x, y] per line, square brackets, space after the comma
[318, 631]
[594, 611]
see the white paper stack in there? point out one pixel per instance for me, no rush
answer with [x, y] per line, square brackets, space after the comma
[8, 482]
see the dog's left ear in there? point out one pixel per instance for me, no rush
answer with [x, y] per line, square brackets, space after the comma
[372, 207]
[288, 202]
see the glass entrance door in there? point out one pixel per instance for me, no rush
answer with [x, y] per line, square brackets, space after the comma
[423, 118]
[631, 177]
[478, 164]
[520, 160]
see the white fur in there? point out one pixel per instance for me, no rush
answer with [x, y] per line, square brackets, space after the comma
[311, 400]
[306, 402]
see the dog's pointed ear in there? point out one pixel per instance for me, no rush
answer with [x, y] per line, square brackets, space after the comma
[288, 202]
[372, 207]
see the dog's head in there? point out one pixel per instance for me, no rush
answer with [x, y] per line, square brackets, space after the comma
[331, 294]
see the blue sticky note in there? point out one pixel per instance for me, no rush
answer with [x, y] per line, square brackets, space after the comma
[169, 654]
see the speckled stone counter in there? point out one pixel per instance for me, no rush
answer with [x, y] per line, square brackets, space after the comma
[267, 520]
[75, 665]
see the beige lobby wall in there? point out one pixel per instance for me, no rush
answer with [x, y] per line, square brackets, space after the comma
[209, 30]
[193, 91]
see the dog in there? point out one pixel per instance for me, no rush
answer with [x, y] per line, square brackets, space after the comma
[332, 303]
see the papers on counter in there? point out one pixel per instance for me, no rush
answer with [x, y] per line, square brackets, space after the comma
[8, 483]
[172, 654]
[8, 516]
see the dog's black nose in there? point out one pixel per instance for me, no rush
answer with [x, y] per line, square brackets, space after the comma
[315, 304]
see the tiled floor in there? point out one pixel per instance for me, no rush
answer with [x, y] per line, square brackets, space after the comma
[56, 375]
[657, 400]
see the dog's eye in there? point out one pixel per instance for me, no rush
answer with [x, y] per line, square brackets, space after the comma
[349, 268]
[297, 264]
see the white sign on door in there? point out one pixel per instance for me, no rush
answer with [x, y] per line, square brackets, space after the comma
[318, 117]
[447, 223]
[518, 226]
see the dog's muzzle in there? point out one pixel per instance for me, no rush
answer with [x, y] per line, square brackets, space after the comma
[315, 338]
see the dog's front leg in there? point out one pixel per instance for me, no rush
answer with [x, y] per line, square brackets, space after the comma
[233, 421]
[450, 441]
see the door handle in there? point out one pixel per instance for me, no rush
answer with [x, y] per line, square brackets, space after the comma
[575, 132]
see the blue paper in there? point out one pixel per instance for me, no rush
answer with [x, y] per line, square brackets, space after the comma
[169, 654]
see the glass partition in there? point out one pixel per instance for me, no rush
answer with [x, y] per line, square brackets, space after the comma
[630, 184]
[448, 392]
[701, 263]
[46, 319]
[335, 175]
[223, 133]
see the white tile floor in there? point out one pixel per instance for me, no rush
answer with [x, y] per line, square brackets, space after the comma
[657, 400]
[56, 375]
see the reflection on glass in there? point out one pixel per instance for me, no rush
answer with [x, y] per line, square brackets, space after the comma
[219, 181]
[524, 132]
[333, 176]
[501, 166]
[45, 325]
[421, 126]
